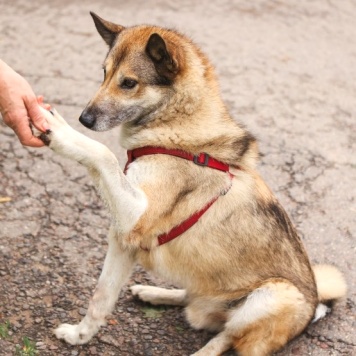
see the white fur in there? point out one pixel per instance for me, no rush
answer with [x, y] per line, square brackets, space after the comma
[320, 311]
[116, 271]
[259, 304]
[330, 282]
[159, 296]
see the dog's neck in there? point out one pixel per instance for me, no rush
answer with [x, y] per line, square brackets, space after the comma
[216, 134]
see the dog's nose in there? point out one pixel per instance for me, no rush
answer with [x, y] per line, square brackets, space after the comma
[87, 119]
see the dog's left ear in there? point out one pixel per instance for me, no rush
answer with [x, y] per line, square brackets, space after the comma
[164, 60]
[107, 30]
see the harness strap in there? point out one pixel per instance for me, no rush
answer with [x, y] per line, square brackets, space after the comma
[185, 225]
[202, 159]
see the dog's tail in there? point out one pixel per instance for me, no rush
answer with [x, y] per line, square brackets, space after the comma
[330, 285]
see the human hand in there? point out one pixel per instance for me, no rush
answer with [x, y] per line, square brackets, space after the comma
[19, 106]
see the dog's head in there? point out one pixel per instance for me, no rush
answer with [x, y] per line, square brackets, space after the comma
[140, 71]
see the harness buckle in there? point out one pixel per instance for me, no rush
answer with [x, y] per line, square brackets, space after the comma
[202, 159]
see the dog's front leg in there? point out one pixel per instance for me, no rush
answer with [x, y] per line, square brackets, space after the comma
[126, 202]
[117, 269]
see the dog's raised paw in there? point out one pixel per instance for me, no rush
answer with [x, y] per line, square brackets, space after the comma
[45, 137]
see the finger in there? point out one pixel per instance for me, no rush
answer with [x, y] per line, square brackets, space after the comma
[34, 142]
[40, 99]
[24, 133]
[36, 116]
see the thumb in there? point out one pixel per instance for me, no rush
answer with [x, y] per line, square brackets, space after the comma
[36, 115]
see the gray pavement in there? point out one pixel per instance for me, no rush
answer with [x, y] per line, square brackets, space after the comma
[287, 71]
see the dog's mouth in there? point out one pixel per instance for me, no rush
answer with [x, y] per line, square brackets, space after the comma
[99, 121]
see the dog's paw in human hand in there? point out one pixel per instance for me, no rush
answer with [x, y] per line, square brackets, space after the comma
[60, 137]
[56, 124]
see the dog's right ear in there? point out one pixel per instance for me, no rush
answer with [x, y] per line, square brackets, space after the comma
[107, 30]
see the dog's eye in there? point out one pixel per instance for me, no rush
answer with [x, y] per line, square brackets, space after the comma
[128, 83]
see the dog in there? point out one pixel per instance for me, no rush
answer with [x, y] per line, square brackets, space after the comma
[190, 205]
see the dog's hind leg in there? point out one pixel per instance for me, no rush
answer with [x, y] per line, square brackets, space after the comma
[272, 315]
[159, 296]
[117, 269]
[216, 346]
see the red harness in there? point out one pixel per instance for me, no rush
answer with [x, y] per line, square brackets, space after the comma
[204, 160]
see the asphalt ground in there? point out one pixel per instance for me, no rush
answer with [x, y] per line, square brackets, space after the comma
[287, 71]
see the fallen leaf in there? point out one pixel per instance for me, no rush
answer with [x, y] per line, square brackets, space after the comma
[112, 322]
[5, 199]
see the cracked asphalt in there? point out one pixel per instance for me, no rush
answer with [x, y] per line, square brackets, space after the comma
[287, 71]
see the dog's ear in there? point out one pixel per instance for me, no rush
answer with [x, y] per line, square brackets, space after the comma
[163, 59]
[107, 30]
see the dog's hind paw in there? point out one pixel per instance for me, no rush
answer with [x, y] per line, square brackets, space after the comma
[73, 334]
[159, 296]
[144, 293]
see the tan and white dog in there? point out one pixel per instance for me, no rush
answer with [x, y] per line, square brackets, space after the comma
[190, 206]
